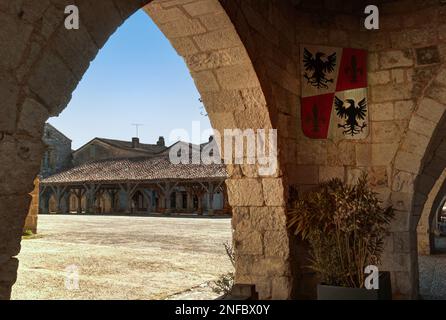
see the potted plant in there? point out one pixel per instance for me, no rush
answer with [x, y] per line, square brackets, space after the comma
[345, 226]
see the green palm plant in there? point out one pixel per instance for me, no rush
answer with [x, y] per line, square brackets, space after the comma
[345, 227]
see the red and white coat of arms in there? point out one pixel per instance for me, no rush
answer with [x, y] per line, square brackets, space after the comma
[334, 92]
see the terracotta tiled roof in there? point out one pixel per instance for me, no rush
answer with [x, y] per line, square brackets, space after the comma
[136, 169]
[152, 148]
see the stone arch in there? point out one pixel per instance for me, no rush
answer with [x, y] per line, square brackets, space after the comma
[42, 63]
[418, 164]
[435, 201]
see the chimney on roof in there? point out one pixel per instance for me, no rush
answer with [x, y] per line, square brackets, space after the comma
[135, 143]
[161, 142]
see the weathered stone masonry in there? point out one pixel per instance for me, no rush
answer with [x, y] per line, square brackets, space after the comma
[406, 99]
[52, 61]
[425, 228]
[244, 58]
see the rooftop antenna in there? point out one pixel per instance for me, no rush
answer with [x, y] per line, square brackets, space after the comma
[137, 125]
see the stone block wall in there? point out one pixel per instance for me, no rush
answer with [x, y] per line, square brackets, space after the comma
[405, 45]
[406, 106]
[53, 60]
[425, 228]
[41, 64]
[203, 34]
[58, 152]
[273, 32]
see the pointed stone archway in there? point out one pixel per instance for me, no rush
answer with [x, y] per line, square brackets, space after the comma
[431, 208]
[42, 63]
[244, 58]
[418, 164]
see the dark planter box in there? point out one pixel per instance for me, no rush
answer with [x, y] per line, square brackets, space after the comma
[384, 292]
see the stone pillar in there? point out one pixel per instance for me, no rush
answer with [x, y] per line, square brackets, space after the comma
[20, 165]
[13, 211]
[31, 218]
[261, 240]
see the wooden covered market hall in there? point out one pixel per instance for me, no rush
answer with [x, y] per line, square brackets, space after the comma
[106, 176]
[136, 185]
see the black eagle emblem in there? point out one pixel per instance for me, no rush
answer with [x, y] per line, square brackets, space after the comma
[316, 68]
[351, 114]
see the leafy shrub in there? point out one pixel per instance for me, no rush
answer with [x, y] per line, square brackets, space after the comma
[345, 226]
[223, 285]
[27, 233]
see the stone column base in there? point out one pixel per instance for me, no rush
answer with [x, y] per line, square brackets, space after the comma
[8, 276]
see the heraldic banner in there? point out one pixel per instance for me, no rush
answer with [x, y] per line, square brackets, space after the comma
[334, 92]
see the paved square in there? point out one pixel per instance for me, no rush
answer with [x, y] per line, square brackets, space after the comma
[123, 257]
[433, 273]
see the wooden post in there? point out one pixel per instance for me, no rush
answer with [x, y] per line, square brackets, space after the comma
[167, 196]
[66, 200]
[200, 204]
[58, 193]
[112, 193]
[129, 191]
[91, 197]
[190, 201]
[43, 200]
[147, 196]
[79, 192]
[211, 193]
[167, 191]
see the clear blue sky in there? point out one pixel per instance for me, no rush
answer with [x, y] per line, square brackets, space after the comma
[137, 77]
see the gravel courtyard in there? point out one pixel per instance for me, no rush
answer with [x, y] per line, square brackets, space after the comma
[123, 257]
